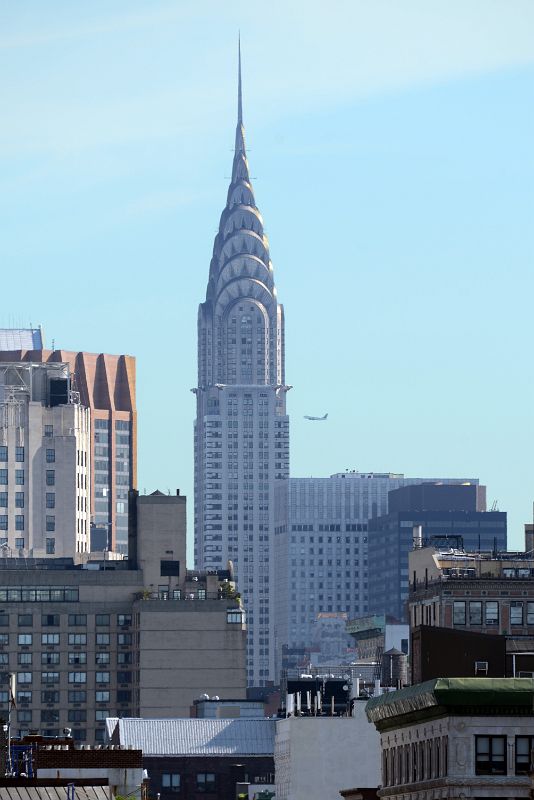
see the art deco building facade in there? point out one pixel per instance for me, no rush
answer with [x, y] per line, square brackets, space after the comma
[241, 428]
[105, 384]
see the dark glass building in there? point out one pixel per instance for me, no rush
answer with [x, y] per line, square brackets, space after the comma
[452, 515]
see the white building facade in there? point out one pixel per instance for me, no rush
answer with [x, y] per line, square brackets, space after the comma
[241, 427]
[44, 462]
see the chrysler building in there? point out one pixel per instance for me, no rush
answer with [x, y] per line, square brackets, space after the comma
[241, 427]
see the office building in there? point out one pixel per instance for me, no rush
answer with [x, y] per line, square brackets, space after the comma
[45, 476]
[105, 384]
[490, 593]
[456, 736]
[241, 427]
[322, 550]
[450, 514]
[90, 639]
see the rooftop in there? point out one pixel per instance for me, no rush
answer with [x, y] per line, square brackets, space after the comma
[21, 339]
[452, 695]
[194, 737]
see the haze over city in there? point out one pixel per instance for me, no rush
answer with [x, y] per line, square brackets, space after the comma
[390, 149]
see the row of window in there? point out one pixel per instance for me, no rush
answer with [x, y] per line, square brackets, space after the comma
[73, 638]
[4, 453]
[470, 612]
[205, 782]
[74, 677]
[420, 761]
[51, 715]
[24, 696]
[53, 620]
[76, 657]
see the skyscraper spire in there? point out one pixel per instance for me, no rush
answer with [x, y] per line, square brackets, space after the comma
[240, 130]
[239, 91]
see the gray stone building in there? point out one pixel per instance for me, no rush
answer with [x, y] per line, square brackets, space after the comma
[140, 637]
[241, 427]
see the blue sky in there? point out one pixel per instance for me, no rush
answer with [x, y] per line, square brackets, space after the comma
[391, 146]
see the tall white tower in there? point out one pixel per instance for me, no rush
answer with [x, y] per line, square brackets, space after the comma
[241, 428]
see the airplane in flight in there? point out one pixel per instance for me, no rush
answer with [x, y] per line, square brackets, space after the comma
[317, 419]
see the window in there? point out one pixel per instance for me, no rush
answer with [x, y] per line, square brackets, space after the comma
[102, 638]
[77, 715]
[124, 639]
[523, 749]
[3, 499]
[123, 620]
[19, 543]
[4, 658]
[458, 612]
[25, 620]
[49, 677]
[4, 638]
[516, 612]
[205, 782]
[475, 612]
[77, 658]
[77, 619]
[50, 500]
[490, 755]
[25, 659]
[19, 477]
[50, 456]
[3, 452]
[50, 620]
[102, 658]
[50, 696]
[101, 714]
[19, 454]
[3, 477]
[124, 677]
[50, 477]
[77, 677]
[102, 696]
[19, 499]
[124, 658]
[3, 523]
[24, 716]
[102, 677]
[50, 638]
[102, 619]
[24, 696]
[48, 431]
[492, 612]
[24, 638]
[24, 677]
[170, 781]
[50, 546]
[77, 638]
[124, 696]
[77, 696]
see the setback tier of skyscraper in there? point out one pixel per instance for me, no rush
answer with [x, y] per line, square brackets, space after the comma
[241, 427]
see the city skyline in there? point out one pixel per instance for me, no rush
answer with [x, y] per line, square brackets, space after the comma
[396, 201]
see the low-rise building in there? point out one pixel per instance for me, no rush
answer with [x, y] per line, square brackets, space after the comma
[196, 757]
[456, 737]
[489, 592]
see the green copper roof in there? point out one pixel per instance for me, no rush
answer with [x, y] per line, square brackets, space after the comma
[442, 694]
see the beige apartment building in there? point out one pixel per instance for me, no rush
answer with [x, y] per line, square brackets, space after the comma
[91, 639]
[105, 385]
[45, 483]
